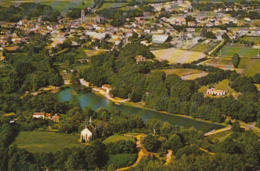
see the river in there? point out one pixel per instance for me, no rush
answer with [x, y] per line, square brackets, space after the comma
[94, 102]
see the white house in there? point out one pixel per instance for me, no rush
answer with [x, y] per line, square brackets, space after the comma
[213, 91]
[38, 115]
[84, 82]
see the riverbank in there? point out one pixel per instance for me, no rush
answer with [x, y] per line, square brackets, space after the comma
[96, 100]
[141, 106]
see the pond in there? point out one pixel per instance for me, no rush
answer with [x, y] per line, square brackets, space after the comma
[95, 101]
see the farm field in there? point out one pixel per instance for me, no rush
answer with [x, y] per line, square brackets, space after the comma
[204, 46]
[251, 66]
[37, 142]
[255, 23]
[174, 55]
[186, 74]
[112, 5]
[242, 51]
[116, 138]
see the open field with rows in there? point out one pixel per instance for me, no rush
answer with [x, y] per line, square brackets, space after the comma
[186, 74]
[174, 55]
[37, 142]
[204, 46]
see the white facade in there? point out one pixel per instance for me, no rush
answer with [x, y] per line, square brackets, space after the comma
[85, 135]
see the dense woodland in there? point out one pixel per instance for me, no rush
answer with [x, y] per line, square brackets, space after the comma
[28, 11]
[239, 151]
[140, 82]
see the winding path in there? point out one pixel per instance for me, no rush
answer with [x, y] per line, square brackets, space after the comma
[143, 152]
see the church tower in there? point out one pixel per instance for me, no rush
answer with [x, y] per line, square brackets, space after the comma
[82, 19]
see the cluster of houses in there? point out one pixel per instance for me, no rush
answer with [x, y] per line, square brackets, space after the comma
[43, 115]
[91, 27]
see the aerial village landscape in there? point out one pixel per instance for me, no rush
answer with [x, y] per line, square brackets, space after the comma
[130, 85]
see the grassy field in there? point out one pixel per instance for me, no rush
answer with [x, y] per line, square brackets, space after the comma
[116, 138]
[37, 142]
[174, 55]
[112, 5]
[186, 74]
[243, 52]
[61, 5]
[251, 66]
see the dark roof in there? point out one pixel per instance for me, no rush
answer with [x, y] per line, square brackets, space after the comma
[91, 128]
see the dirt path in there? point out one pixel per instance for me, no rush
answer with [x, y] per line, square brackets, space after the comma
[221, 43]
[168, 157]
[143, 152]
[207, 151]
[217, 131]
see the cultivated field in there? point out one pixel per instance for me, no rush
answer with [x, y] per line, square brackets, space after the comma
[37, 142]
[204, 46]
[186, 74]
[251, 66]
[242, 51]
[174, 55]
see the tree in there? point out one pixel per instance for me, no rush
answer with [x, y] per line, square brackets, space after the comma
[166, 129]
[151, 143]
[174, 143]
[236, 60]
[236, 126]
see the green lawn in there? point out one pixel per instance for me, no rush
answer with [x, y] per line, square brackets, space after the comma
[116, 138]
[37, 142]
[243, 52]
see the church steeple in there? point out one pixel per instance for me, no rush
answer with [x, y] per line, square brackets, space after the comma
[82, 16]
[90, 120]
